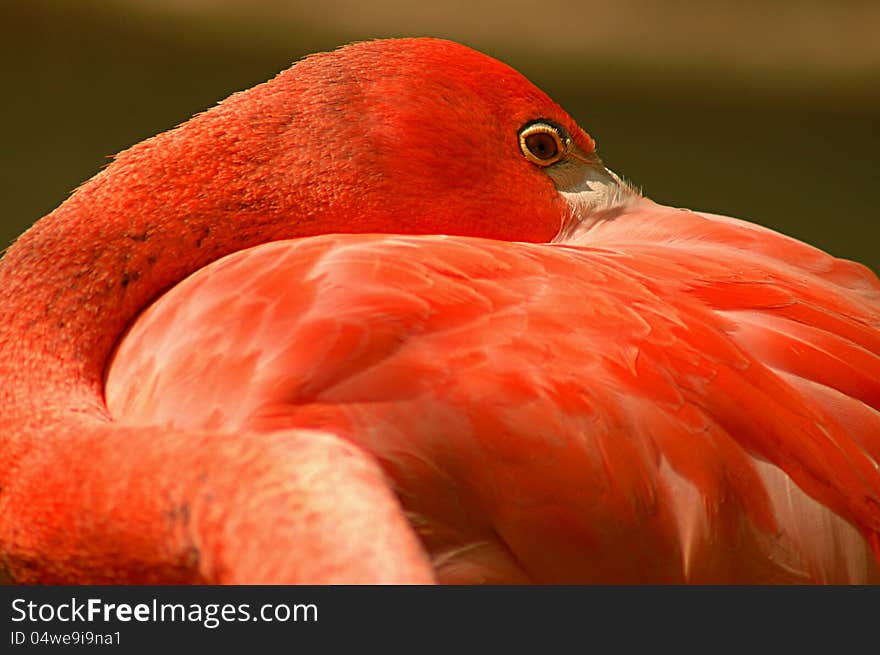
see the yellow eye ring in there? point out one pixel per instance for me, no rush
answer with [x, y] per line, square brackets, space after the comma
[543, 143]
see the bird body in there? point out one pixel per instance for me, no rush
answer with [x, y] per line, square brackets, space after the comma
[587, 411]
[550, 379]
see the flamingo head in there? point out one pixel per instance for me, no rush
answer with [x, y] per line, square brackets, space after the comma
[418, 136]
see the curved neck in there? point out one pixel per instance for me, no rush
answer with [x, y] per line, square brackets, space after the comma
[71, 284]
[164, 208]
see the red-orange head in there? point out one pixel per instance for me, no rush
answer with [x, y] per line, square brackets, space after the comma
[400, 136]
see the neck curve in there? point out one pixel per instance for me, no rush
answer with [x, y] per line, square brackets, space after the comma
[164, 208]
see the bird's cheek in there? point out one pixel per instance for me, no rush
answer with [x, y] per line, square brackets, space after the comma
[524, 218]
[557, 215]
[529, 210]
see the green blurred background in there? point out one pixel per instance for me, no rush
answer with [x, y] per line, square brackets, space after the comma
[764, 110]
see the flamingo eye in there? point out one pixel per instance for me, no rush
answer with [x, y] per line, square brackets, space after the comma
[543, 143]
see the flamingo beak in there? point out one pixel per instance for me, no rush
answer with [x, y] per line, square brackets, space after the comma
[589, 188]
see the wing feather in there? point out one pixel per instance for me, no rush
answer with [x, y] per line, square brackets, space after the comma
[670, 396]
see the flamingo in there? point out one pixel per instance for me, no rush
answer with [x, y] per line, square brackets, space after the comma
[387, 318]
